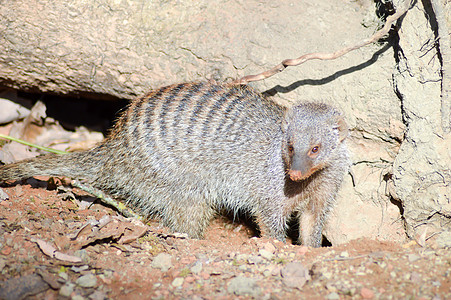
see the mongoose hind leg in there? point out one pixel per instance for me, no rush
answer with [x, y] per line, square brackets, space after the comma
[191, 219]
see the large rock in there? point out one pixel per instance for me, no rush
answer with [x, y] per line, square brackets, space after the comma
[422, 169]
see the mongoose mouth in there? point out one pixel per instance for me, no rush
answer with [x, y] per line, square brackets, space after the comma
[297, 175]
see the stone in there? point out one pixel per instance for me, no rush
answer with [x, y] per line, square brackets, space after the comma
[162, 261]
[295, 275]
[241, 286]
[89, 280]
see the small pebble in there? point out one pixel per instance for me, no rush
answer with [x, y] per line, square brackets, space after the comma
[254, 260]
[98, 295]
[330, 287]
[162, 261]
[302, 250]
[79, 269]
[242, 268]
[3, 195]
[413, 257]
[178, 281]
[241, 257]
[196, 268]
[366, 293]
[243, 286]
[190, 279]
[436, 283]
[333, 296]
[88, 280]
[64, 276]
[269, 247]
[266, 254]
[344, 254]
[295, 275]
[415, 278]
[83, 254]
[66, 290]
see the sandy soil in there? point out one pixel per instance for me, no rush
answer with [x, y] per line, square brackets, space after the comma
[228, 264]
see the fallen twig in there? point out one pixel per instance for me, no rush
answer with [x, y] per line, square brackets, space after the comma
[104, 198]
[345, 258]
[328, 56]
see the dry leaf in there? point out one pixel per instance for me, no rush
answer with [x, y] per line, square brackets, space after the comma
[52, 252]
[116, 228]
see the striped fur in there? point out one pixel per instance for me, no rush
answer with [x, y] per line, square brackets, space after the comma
[183, 152]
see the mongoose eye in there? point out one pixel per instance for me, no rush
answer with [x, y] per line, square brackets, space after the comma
[290, 149]
[314, 150]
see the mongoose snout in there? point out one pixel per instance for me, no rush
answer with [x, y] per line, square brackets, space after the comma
[298, 175]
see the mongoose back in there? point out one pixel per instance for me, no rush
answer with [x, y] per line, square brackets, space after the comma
[185, 151]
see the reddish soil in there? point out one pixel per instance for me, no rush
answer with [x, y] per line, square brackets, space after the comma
[228, 264]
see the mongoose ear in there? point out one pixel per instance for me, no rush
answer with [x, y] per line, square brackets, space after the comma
[342, 128]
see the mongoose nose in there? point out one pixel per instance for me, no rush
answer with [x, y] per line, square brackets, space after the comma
[296, 175]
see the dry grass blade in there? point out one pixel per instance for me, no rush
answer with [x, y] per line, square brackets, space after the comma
[7, 137]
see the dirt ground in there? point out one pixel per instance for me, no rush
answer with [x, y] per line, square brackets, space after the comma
[59, 243]
[228, 264]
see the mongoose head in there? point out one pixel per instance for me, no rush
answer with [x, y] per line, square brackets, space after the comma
[312, 134]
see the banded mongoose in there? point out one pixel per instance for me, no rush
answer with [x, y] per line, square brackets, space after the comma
[185, 151]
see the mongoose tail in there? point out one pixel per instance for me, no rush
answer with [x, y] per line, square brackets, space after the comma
[73, 165]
